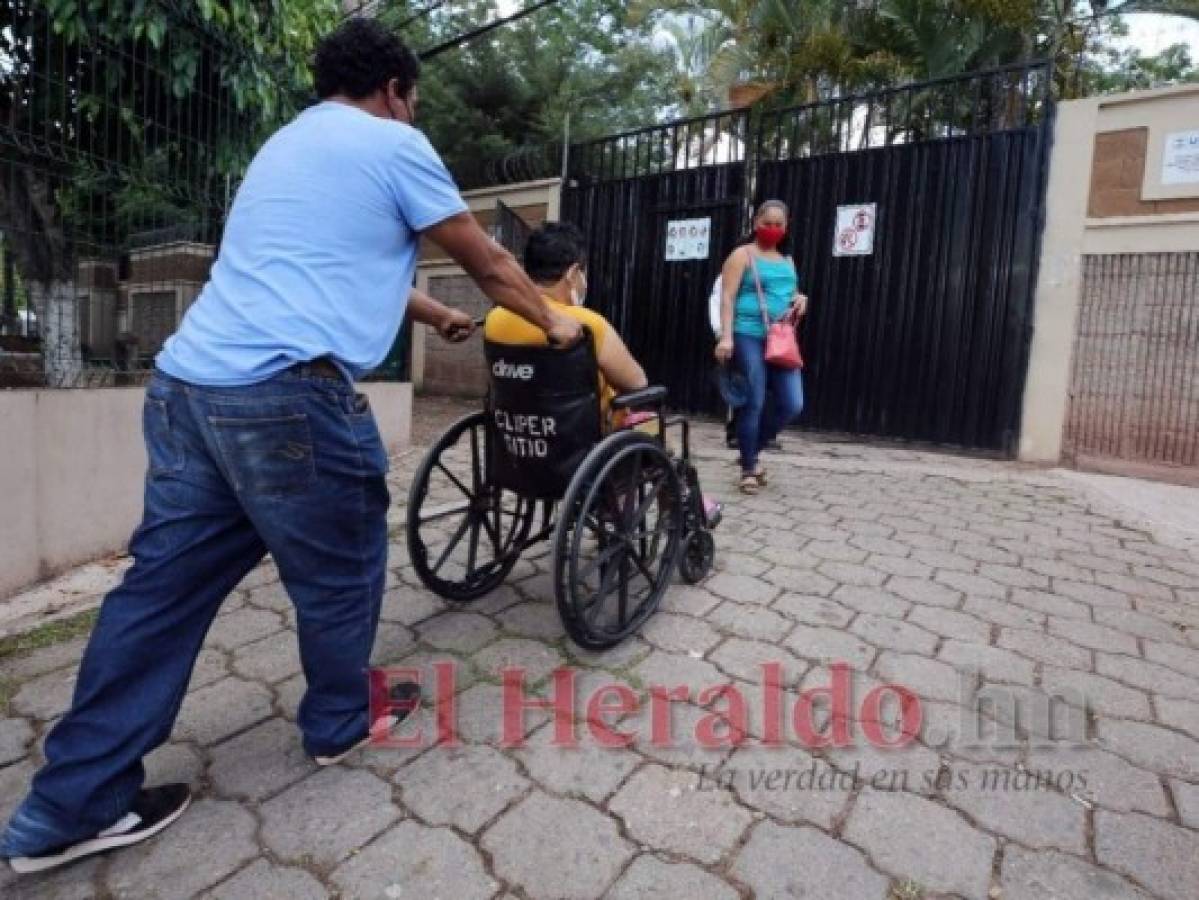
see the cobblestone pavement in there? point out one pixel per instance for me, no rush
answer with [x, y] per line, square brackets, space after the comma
[973, 584]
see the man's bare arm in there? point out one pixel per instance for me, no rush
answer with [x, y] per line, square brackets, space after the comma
[499, 275]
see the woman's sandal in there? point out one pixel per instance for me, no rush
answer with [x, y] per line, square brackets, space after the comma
[760, 476]
[749, 484]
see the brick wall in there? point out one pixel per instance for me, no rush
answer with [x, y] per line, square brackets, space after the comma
[1118, 175]
[457, 370]
[1134, 392]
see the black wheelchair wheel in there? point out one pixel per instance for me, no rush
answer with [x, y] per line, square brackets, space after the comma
[464, 535]
[616, 540]
[699, 552]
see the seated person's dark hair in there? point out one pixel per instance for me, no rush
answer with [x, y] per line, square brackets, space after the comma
[552, 249]
[361, 57]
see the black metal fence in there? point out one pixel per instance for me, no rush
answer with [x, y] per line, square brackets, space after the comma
[926, 337]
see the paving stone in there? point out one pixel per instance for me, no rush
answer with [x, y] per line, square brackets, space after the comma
[1138, 624]
[951, 624]
[1092, 594]
[1097, 637]
[741, 563]
[800, 581]
[173, 763]
[408, 606]
[464, 787]
[927, 678]
[743, 659]
[260, 762]
[899, 566]
[47, 696]
[1013, 575]
[1186, 798]
[1011, 803]
[270, 660]
[460, 632]
[787, 784]
[1143, 674]
[973, 586]
[872, 600]
[666, 810]
[993, 663]
[682, 746]
[741, 589]
[392, 642]
[539, 621]
[852, 574]
[1004, 614]
[353, 805]
[944, 560]
[1101, 694]
[780, 861]
[14, 785]
[885, 768]
[813, 610]
[263, 880]
[754, 622]
[78, 881]
[589, 771]
[680, 634]
[647, 879]
[1047, 874]
[222, 709]
[1091, 561]
[1056, 568]
[1051, 604]
[565, 843]
[830, 645]
[15, 738]
[1110, 781]
[538, 660]
[31, 664]
[910, 837]
[1180, 714]
[210, 841]
[1180, 659]
[990, 555]
[211, 665]
[243, 626]
[690, 599]
[1170, 577]
[1158, 749]
[1045, 648]
[836, 550]
[272, 596]
[894, 634]
[412, 860]
[1134, 587]
[924, 592]
[670, 670]
[624, 655]
[478, 714]
[1161, 856]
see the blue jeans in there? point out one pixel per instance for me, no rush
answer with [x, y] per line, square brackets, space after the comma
[759, 422]
[294, 466]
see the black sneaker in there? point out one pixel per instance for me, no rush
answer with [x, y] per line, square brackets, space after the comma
[403, 700]
[153, 810]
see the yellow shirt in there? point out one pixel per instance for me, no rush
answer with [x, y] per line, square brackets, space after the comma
[505, 327]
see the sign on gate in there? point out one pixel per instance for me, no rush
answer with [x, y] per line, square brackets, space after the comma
[1180, 158]
[688, 239]
[855, 230]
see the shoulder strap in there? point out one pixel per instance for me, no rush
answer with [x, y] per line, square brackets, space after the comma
[758, 284]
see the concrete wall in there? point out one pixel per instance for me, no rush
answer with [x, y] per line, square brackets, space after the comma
[458, 369]
[72, 465]
[1104, 199]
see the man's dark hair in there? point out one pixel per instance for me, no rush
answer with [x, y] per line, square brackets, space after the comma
[361, 57]
[552, 249]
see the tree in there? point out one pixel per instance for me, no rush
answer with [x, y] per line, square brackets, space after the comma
[122, 114]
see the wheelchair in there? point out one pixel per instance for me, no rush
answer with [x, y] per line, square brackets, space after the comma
[535, 464]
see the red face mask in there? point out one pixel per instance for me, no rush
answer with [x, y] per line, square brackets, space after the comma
[770, 236]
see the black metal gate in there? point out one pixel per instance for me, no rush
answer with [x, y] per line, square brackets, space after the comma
[926, 338]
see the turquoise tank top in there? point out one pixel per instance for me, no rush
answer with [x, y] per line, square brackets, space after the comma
[779, 284]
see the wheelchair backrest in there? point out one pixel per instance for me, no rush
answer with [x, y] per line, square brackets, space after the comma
[543, 415]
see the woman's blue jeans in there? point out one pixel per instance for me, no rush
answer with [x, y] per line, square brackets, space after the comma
[294, 466]
[759, 422]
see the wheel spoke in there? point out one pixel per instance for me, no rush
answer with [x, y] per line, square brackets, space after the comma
[472, 549]
[433, 517]
[454, 478]
[445, 554]
[604, 556]
[476, 471]
[623, 608]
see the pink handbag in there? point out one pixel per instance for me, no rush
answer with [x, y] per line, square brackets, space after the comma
[782, 346]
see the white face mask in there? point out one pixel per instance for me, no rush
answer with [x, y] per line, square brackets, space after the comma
[578, 295]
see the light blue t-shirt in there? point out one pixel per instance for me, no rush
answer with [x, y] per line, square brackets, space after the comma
[319, 250]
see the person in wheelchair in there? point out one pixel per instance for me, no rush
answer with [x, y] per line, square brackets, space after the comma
[555, 259]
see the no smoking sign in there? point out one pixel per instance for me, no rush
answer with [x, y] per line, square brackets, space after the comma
[855, 230]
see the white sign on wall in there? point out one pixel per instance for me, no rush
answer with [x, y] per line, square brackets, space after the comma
[688, 239]
[1180, 158]
[855, 230]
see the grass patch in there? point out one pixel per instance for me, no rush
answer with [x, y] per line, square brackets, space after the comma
[906, 890]
[48, 635]
[8, 690]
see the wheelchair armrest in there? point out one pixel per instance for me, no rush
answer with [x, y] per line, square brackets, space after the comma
[650, 396]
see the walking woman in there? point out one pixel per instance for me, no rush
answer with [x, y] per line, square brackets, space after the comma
[756, 275]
